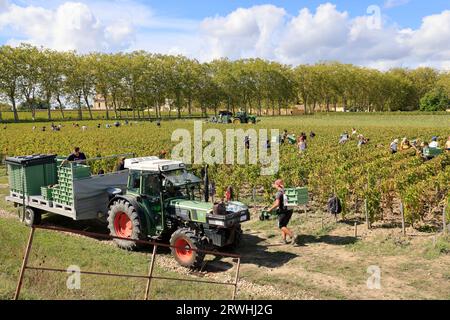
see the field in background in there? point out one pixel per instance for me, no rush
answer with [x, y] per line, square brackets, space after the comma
[328, 263]
[72, 115]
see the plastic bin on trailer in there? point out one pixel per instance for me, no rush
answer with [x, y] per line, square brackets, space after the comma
[28, 174]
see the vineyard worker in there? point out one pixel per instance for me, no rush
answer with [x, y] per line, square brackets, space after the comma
[120, 164]
[284, 215]
[434, 143]
[394, 146]
[405, 144]
[302, 144]
[344, 138]
[426, 151]
[75, 156]
[447, 145]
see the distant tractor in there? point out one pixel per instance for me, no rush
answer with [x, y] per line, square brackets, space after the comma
[223, 117]
[151, 199]
[243, 117]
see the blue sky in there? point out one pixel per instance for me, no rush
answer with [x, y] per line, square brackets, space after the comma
[407, 33]
[406, 13]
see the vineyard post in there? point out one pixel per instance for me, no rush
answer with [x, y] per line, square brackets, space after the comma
[402, 211]
[254, 197]
[367, 214]
[444, 221]
[356, 229]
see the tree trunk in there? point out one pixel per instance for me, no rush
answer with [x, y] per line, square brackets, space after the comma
[115, 107]
[190, 106]
[60, 106]
[13, 102]
[88, 106]
[80, 112]
[49, 109]
[106, 107]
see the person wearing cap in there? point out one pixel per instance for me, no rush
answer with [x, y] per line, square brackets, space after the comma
[284, 215]
[434, 143]
[394, 146]
[120, 164]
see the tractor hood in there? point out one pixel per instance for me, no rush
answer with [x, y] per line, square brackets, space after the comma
[198, 211]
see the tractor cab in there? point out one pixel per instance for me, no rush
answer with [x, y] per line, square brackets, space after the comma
[244, 117]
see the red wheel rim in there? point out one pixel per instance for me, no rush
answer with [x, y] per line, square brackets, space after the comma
[183, 250]
[123, 225]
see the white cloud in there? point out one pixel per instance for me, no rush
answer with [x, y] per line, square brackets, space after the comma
[265, 31]
[395, 3]
[71, 26]
[330, 34]
[244, 32]
[309, 35]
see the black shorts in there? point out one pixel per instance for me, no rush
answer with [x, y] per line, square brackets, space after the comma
[284, 218]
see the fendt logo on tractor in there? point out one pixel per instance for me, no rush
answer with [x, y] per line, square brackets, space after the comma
[151, 199]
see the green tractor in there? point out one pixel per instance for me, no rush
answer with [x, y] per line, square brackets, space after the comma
[163, 201]
[243, 117]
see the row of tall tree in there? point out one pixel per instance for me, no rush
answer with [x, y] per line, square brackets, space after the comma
[141, 83]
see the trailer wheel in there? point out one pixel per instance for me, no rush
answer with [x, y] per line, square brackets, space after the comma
[183, 240]
[123, 222]
[32, 217]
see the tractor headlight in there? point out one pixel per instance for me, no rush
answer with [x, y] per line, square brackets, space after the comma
[217, 223]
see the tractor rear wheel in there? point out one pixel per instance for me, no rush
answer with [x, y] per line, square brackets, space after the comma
[32, 217]
[124, 222]
[237, 121]
[182, 242]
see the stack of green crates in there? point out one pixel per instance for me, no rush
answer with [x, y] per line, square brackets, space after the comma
[297, 196]
[28, 179]
[63, 192]
[47, 193]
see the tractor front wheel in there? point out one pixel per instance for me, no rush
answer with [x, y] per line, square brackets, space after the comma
[182, 242]
[124, 222]
[237, 121]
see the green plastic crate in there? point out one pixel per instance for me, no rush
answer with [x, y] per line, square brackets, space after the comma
[47, 193]
[297, 196]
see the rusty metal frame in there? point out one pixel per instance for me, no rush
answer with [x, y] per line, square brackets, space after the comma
[149, 276]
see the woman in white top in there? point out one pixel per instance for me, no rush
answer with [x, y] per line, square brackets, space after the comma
[434, 143]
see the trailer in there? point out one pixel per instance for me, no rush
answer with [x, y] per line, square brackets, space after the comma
[38, 184]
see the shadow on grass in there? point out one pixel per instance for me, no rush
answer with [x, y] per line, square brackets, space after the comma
[58, 221]
[254, 252]
[328, 239]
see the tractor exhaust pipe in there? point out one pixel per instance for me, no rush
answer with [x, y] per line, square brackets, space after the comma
[206, 183]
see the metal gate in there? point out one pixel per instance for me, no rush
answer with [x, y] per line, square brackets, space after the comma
[149, 277]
